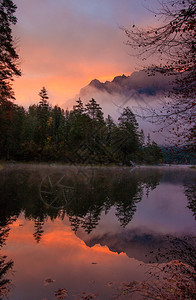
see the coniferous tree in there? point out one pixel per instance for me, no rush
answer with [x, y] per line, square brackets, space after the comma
[142, 138]
[43, 98]
[48, 133]
[38, 225]
[43, 115]
[148, 140]
[94, 110]
[126, 139]
[58, 123]
[8, 69]
[79, 107]
[8, 55]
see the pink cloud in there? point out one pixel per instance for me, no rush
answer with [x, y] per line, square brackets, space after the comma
[65, 45]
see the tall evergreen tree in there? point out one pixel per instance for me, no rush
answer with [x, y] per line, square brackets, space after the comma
[44, 98]
[142, 138]
[8, 55]
[94, 110]
[110, 128]
[43, 114]
[79, 107]
[126, 140]
[43, 106]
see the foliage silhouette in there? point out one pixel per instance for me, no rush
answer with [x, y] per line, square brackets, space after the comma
[5, 265]
[172, 280]
[8, 55]
[172, 45]
[80, 136]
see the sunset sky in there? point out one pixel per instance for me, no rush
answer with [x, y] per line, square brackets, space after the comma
[64, 44]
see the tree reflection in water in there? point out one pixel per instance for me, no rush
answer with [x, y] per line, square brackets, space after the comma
[190, 192]
[83, 195]
[5, 265]
[94, 191]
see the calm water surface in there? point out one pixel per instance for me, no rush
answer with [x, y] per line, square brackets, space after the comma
[87, 230]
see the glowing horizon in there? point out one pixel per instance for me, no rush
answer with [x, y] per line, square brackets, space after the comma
[65, 45]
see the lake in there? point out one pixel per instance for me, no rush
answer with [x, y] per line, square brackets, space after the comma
[83, 232]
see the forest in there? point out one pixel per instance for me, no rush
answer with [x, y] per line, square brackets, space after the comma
[81, 135]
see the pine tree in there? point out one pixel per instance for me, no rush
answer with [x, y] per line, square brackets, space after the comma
[44, 111]
[142, 138]
[94, 110]
[79, 107]
[44, 98]
[110, 128]
[148, 140]
[8, 55]
[38, 225]
[126, 138]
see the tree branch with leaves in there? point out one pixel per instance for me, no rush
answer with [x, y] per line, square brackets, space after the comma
[173, 46]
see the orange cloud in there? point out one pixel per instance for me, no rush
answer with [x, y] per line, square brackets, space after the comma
[63, 46]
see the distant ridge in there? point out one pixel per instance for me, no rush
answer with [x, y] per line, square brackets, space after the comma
[136, 91]
[140, 82]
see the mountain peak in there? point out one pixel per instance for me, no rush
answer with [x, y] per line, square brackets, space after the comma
[95, 83]
[138, 82]
[119, 78]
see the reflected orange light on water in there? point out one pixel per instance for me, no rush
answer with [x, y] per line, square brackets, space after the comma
[62, 256]
[55, 236]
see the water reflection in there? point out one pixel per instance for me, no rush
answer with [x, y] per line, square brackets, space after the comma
[101, 222]
[190, 192]
[6, 265]
[93, 191]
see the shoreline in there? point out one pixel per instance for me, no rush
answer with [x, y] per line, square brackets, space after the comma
[4, 164]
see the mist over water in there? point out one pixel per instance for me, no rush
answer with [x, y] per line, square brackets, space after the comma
[86, 229]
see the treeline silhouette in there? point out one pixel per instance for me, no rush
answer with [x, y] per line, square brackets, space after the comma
[46, 133]
[178, 155]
